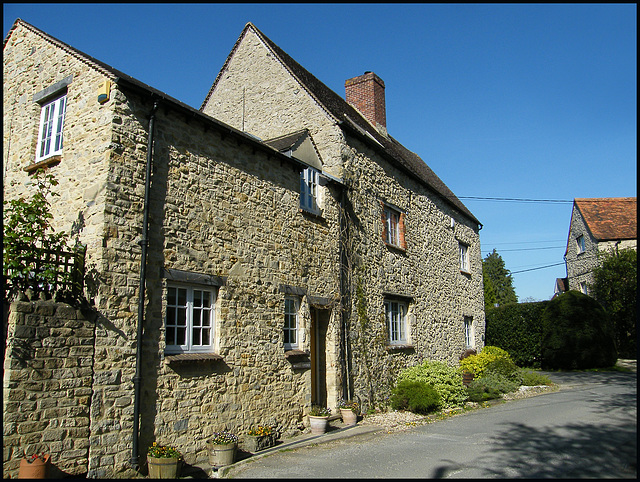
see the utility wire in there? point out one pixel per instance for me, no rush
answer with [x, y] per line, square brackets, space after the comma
[518, 200]
[539, 267]
[526, 249]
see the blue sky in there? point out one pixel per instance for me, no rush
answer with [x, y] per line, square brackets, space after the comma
[514, 101]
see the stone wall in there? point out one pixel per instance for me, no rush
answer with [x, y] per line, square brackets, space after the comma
[47, 386]
[427, 272]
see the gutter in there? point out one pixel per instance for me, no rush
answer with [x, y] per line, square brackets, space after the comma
[144, 244]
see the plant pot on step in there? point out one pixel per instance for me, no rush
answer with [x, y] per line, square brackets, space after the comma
[37, 468]
[467, 378]
[349, 417]
[221, 454]
[163, 467]
[318, 425]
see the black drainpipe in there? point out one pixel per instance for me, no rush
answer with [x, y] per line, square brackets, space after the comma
[144, 244]
[344, 349]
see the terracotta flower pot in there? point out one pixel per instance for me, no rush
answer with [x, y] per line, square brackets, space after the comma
[34, 469]
[349, 417]
[318, 424]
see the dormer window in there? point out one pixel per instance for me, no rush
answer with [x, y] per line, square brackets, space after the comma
[309, 192]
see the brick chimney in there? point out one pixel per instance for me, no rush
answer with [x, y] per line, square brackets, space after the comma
[366, 93]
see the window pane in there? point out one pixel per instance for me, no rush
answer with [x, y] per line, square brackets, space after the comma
[171, 336]
[181, 336]
[181, 318]
[171, 296]
[182, 296]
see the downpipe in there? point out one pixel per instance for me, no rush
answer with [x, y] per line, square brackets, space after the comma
[144, 244]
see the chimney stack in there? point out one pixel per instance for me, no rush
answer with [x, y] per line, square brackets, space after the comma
[366, 93]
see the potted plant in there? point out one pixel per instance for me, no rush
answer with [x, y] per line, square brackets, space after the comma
[319, 419]
[34, 467]
[222, 448]
[163, 461]
[349, 409]
[259, 438]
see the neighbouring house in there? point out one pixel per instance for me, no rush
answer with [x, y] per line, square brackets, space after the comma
[242, 264]
[597, 225]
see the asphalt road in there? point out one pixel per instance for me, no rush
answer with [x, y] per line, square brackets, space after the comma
[587, 429]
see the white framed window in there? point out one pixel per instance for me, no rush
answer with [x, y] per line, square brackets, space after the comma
[469, 339]
[309, 192]
[396, 316]
[190, 317]
[51, 127]
[464, 258]
[583, 287]
[393, 227]
[291, 306]
[580, 244]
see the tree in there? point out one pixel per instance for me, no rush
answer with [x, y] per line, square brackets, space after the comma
[498, 285]
[615, 287]
[27, 233]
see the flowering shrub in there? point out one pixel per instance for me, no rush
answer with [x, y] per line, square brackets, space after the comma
[163, 451]
[319, 411]
[223, 438]
[446, 380]
[477, 364]
[260, 430]
[350, 405]
[35, 457]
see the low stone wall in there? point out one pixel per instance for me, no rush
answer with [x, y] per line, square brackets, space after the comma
[47, 386]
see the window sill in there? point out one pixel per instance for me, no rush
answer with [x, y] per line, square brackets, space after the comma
[48, 162]
[399, 347]
[395, 247]
[466, 273]
[312, 214]
[294, 353]
[192, 357]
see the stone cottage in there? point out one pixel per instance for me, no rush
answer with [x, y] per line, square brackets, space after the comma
[597, 224]
[273, 249]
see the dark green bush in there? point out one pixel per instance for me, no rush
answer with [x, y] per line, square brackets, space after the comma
[576, 333]
[490, 385]
[532, 379]
[417, 397]
[517, 328]
[506, 368]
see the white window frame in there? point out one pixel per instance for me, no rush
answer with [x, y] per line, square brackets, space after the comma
[396, 315]
[464, 257]
[469, 338]
[583, 287]
[310, 190]
[392, 219]
[187, 310]
[291, 326]
[50, 130]
[580, 244]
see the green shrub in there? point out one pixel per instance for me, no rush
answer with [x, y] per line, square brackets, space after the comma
[414, 396]
[517, 328]
[576, 333]
[477, 364]
[532, 379]
[506, 368]
[490, 385]
[446, 380]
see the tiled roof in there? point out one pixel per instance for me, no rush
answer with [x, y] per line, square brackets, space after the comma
[610, 218]
[349, 118]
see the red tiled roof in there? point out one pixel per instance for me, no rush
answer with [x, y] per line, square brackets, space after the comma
[610, 217]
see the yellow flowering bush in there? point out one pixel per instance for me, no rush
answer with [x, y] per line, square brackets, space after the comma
[477, 364]
[163, 451]
[260, 431]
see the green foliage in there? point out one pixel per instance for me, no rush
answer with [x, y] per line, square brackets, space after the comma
[576, 333]
[490, 385]
[517, 328]
[417, 397]
[532, 379]
[615, 287]
[505, 367]
[446, 380]
[27, 231]
[477, 364]
[498, 284]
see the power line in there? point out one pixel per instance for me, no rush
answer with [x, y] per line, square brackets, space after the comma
[539, 267]
[527, 249]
